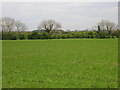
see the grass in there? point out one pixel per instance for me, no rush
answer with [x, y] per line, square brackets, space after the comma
[73, 63]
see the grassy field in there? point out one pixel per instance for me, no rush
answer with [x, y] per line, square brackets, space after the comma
[73, 63]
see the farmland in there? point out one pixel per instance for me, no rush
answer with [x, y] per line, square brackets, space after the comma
[68, 63]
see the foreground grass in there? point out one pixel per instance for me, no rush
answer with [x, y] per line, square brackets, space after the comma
[60, 63]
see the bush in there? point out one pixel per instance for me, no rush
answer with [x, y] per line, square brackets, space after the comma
[63, 35]
[12, 36]
[45, 35]
[21, 36]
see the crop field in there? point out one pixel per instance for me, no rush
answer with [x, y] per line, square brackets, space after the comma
[68, 63]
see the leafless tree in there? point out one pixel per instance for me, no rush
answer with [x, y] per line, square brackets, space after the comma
[20, 27]
[116, 27]
[106, 25]
[0, 25]
[49, 25]
[7, 24]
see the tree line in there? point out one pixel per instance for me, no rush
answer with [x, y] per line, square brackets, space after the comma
[49, 29]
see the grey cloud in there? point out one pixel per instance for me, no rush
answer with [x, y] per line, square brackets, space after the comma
[77, 15]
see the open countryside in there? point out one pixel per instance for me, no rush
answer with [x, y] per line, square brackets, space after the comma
[68, 63]
[59, 44]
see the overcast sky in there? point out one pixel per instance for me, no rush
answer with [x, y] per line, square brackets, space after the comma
[72, 15]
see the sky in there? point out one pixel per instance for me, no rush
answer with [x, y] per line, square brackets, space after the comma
[71, 15]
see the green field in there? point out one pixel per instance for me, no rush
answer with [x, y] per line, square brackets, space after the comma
[72, 63]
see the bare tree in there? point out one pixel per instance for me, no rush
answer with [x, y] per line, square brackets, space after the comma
[106, 25]
[20, 27]
[1, 26]
[7, 24]
[49, 25]
[116, 27]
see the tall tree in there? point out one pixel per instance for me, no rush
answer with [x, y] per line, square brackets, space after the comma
[20, 27]
[49, 25]
[106, 25]
[7, 24]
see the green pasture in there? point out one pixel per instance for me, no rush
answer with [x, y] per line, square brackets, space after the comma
[69, 63]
